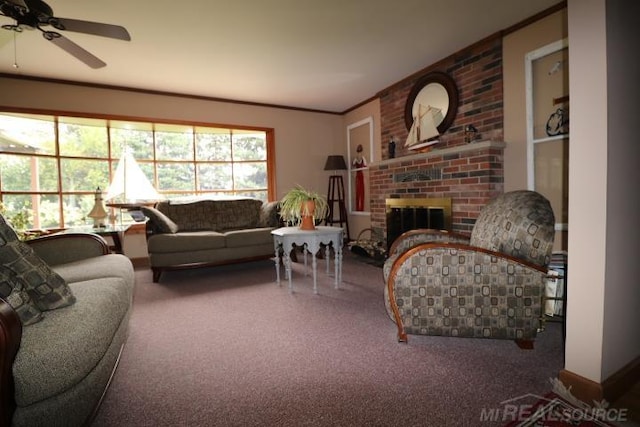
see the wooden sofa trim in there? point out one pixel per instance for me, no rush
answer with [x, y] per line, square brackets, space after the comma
[157, 271]
[10, 337]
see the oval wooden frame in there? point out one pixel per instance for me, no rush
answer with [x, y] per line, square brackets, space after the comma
[452, 91]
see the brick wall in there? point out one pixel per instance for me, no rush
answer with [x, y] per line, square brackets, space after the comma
[471, 174]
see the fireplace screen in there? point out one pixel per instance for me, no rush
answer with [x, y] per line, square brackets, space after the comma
[410, 214]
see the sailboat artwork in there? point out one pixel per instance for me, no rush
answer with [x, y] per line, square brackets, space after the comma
[424, 127]
[130, 186]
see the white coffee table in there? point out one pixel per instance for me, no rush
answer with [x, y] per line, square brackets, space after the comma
[284, 238]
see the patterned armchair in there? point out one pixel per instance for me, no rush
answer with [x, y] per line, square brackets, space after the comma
[489, 285]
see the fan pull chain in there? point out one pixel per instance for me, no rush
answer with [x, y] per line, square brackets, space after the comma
[15, 52]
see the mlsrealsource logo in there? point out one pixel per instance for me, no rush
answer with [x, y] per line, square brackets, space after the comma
[543, 410]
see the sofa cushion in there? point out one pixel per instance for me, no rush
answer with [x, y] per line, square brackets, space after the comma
[68, 343]
[163, 222]
[111, 265]
[215, 215]
[185, 241]
[46, 288]
[12, 291]
[248, 237]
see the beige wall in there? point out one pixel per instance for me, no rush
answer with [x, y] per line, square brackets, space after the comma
[602, 329]
[587, 180]
[303, 139]
[621, 343]
[514, 48]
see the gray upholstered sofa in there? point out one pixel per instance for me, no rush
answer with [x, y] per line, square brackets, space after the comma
[487, 285]
[57, 360]
[204, 233]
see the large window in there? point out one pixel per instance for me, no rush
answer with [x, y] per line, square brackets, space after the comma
[51, 165]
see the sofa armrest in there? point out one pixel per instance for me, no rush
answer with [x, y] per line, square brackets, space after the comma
[412, 238]
[55, 249]
[10, 336]
[479, 292]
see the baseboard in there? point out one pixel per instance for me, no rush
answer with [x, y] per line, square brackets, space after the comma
[611, 389]
[622, 381]
[583, 388]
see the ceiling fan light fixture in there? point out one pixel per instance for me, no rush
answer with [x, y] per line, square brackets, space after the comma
[35, 14]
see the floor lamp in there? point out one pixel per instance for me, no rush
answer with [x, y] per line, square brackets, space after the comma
[335, 193]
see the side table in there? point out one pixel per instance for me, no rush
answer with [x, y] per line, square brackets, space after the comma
[284, 238]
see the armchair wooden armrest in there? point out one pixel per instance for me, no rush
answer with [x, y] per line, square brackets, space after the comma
[411, 238]
[455, 289]
[10, 337]
[62, 248]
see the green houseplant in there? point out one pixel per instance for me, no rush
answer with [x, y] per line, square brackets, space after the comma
[19, 223]
[303, 207]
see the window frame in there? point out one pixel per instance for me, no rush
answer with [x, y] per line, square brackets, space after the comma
[59, 117]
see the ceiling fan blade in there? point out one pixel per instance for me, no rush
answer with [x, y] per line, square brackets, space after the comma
[77, 51]
[95, 28]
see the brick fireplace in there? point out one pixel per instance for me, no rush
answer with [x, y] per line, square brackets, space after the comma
[469, 173]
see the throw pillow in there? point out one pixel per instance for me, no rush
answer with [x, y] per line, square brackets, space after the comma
[163, 222]
[12, 291]
[47, 289]
[269, 215]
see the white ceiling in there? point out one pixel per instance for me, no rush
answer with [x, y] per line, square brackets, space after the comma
[325, 55]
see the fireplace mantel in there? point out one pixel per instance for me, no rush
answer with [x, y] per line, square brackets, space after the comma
[474, 146]
[468, 174]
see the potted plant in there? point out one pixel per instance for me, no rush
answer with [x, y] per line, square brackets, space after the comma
[303, 207]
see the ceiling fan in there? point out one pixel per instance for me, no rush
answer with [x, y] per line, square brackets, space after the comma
[36, 14]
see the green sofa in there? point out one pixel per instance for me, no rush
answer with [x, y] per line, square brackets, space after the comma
[204, 233]
[55, 366]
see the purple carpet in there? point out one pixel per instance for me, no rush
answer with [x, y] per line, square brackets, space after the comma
[227, 347]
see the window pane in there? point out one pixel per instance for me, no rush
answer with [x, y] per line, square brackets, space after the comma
[213, 144]
[19, 172]
[76, 208]
[250, 175]
[228, 161]
[249, 145]
[22, 133]
[84, 175]
[214, 176]
[176, 176]
[135, 135]
[47, 207]
[174, 142]
[83, 137]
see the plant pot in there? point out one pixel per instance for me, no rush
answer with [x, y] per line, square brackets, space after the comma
[308, 209]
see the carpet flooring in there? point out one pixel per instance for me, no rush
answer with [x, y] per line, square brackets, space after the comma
[227, 347]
